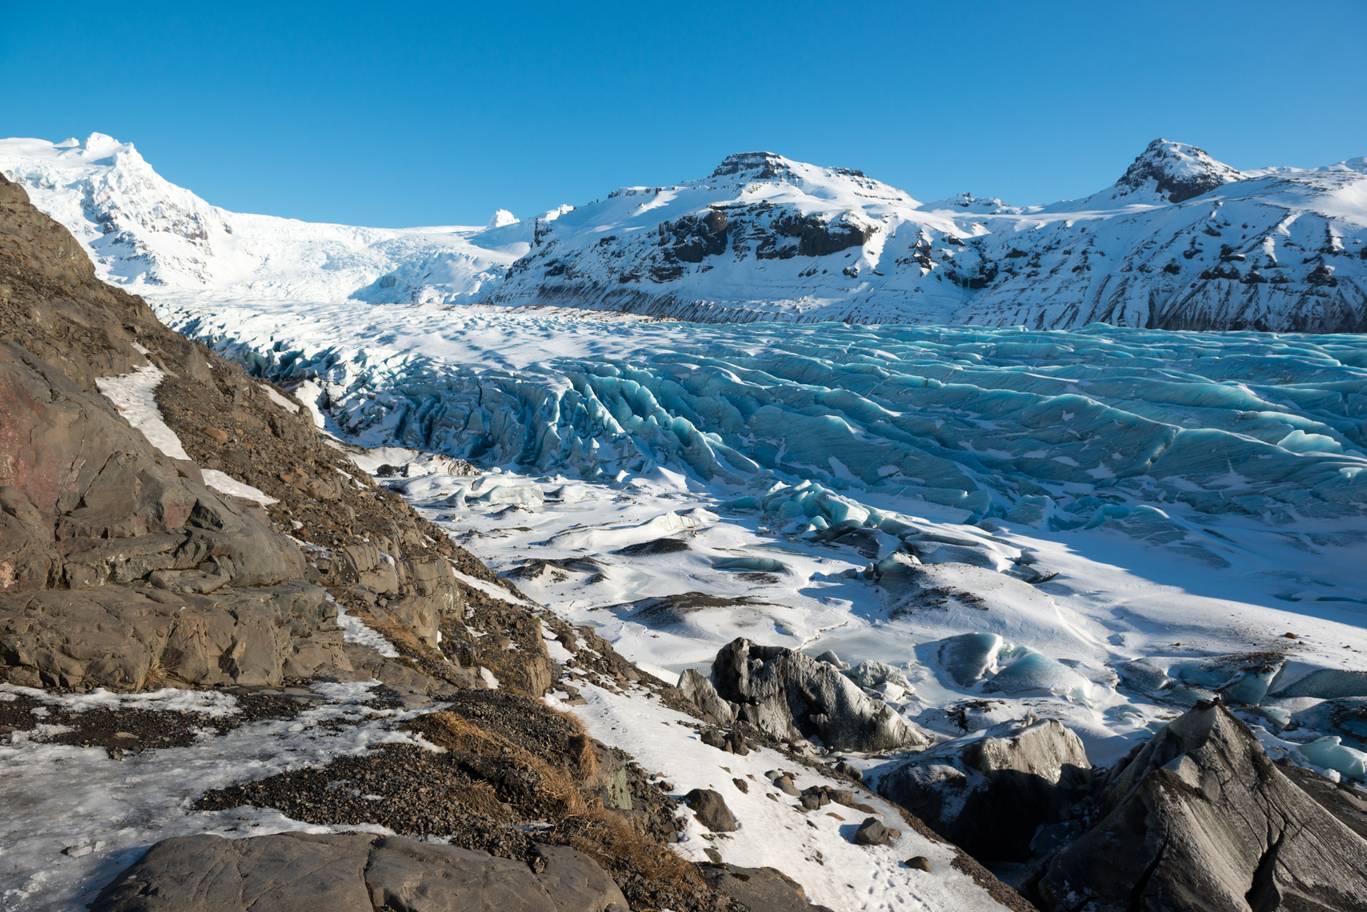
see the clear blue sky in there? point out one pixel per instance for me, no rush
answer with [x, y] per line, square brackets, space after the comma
[424, 113]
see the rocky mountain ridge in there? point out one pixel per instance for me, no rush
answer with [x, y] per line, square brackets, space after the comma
[1179, 241]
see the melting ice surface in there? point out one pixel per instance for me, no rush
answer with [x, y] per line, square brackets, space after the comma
[1127, 519]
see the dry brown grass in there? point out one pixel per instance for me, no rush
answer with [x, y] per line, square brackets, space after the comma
[582, 755]
[617, 843]
[556, 786]
[404, 639]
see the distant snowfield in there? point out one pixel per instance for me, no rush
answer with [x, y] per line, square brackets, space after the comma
[1129, 520]
[144, 232]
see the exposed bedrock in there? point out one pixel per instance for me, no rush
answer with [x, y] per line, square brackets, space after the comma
[88, 501]
[759, 888]
[289, 872]
[120, 568]
[792, 696]
[1199, 818]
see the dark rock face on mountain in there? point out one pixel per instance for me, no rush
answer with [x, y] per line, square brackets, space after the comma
[990, 795]
[792, 696]
[1199, 818]
[290, 872]
[1175, 171]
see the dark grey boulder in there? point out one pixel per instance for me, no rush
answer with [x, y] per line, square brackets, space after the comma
[991, 794]
[791, 696]
[759, 889]
[293, 872]
[711, 811]
[576, 883]
[873, 832]
[1199, 818]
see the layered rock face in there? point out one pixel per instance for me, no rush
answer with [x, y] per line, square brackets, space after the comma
[121, 568]
[1200, 818]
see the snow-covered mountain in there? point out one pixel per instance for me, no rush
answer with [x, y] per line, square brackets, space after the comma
[145, 232]
[760, 237]
[1180, 240]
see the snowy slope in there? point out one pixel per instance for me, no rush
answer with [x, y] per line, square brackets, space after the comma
[1182, 241]
[145, 232]
[761, 237]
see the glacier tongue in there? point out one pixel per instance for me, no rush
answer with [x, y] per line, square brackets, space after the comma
[1153, 434]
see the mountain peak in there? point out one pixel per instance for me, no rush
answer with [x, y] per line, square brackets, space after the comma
[755, 165]
[501, 219]
[1174, 171]
[101, 145]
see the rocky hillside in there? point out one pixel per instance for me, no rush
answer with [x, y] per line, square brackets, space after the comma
[1179, 241]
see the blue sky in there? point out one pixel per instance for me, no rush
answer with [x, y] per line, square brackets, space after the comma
[427, 113]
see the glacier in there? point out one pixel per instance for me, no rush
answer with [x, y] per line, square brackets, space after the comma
[1152, 433]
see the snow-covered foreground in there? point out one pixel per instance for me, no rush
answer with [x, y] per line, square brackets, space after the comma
[815, 848]
[74, 817]
[1100, 526]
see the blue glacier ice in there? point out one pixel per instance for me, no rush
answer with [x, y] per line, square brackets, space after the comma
[1153, 434]
[1330, 753]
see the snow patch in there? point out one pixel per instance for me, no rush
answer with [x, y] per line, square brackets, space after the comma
[134, 396]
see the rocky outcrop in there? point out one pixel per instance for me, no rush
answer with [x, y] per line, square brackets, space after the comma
[792, 696]
[711, 810]
[699, 691]
[120, 568]
[289, 872]
[760, 889]
[1175, 172]
[1199, 818]
[991, 794]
